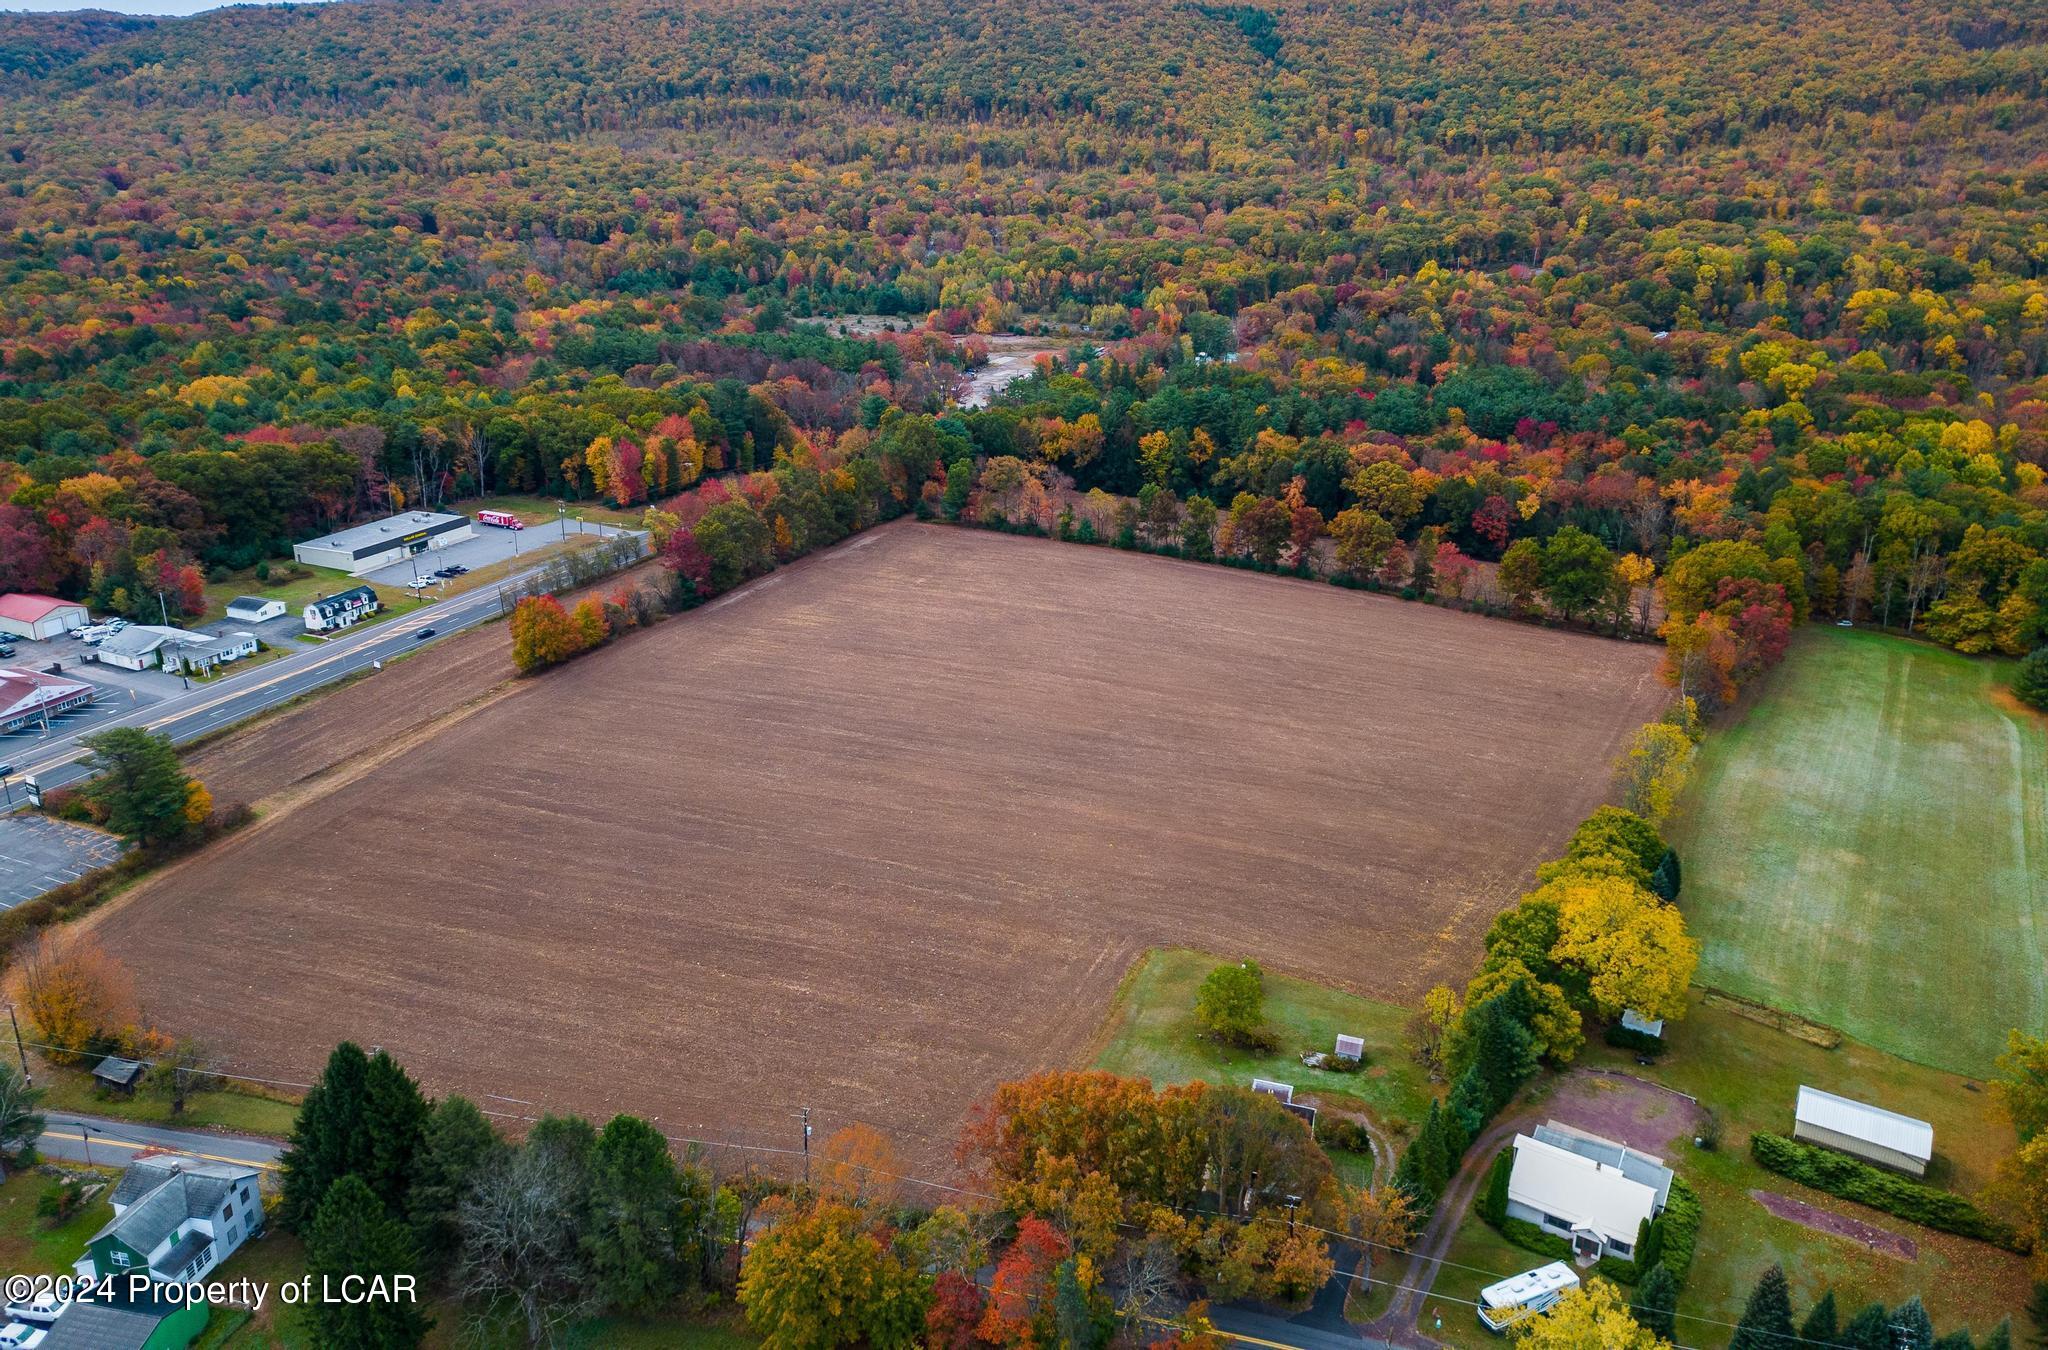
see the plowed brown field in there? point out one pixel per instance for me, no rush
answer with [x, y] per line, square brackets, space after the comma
[881, 830]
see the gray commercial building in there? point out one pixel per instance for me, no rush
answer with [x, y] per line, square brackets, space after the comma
[365, 548]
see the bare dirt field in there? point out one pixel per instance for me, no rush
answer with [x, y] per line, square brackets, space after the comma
[877, 832]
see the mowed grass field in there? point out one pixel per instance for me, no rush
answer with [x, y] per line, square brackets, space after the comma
[876, 833]
[1868, 847]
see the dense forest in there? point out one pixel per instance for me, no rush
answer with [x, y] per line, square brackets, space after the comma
[1459, 276]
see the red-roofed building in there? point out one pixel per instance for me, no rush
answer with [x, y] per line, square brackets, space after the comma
[40, 616]
[27, 697]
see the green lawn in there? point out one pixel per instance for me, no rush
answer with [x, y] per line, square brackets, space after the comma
[29, 1245]
[536, 511]
[1478, 1257]
[71, 1089]
[1868, 847]
[295, 591]
[1150, 1033]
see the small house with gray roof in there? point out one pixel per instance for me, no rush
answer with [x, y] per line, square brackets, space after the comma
[177, 1218]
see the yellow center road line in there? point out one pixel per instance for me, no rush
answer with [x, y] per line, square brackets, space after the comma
[1254, 1340]
[105, 1141]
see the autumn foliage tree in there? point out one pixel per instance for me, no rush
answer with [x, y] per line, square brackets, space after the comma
[543, 634]
[78, 998]
[826, 1277]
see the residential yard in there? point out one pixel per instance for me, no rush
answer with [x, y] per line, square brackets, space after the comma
[1874, 825]
[237, 1111]
[1150, 1032]
[29, 1245]
[1747, 1074]
[288, 585]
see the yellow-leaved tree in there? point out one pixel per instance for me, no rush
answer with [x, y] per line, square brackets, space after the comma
[1632, 947]
[1653, 770]
[1590, 1316]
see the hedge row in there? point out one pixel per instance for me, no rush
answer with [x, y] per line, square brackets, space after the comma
[1851, 1179]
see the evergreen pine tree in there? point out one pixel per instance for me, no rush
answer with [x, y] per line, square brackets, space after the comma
[1870, 1329]
[1503, 1049]
[1956, 1340]
[1656, 1302]
[1767, 1322]
[2000, 1337]
[1823, 1324]
[327, 1136]
[1914, 1327]
[353, 1234]
[458, 1144]
[1432, 1165]
[2037, 1313]
[1468, 1102]
[394, 1123]
[636, 1208]
[1649, 1244]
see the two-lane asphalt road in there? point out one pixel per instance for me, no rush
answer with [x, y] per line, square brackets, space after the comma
[111, 1143]
[193, 713]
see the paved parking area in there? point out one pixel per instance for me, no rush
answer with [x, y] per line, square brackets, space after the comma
[491, 545]
[116, 698]
[37, 854]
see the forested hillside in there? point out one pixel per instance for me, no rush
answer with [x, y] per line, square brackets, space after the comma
[1473, 272]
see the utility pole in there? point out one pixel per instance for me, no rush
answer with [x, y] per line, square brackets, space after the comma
[1293, 1202]
[26, 1078]
[163, 608]
[805, 1113]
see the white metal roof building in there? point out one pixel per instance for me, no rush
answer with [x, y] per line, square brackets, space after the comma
[136, 646]
[1864, 1131]
[365, 548]
[1599, 1207]
[1522, 1296]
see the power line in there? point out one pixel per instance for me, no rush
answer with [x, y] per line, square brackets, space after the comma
[804, 1152]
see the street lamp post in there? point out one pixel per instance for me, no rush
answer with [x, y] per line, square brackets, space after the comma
[562, 517]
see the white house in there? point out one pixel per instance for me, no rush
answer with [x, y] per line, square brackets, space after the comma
[1864, 1131]
[1591, 1191]
[40, 616]
[175, 1217]
[204, 653]
[365, 548]
[340, 610]
[254, 609]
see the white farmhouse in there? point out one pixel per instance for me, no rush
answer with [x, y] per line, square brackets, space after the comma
[177, 1218]
[1593, 1192]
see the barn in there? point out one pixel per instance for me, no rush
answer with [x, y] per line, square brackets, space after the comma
[40, 616]
[1864, 1131]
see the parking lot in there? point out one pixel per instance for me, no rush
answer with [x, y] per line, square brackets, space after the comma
[114, 698]
[37, 854]
[491, 545]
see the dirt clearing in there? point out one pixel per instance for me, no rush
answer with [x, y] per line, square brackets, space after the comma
[884, 829]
